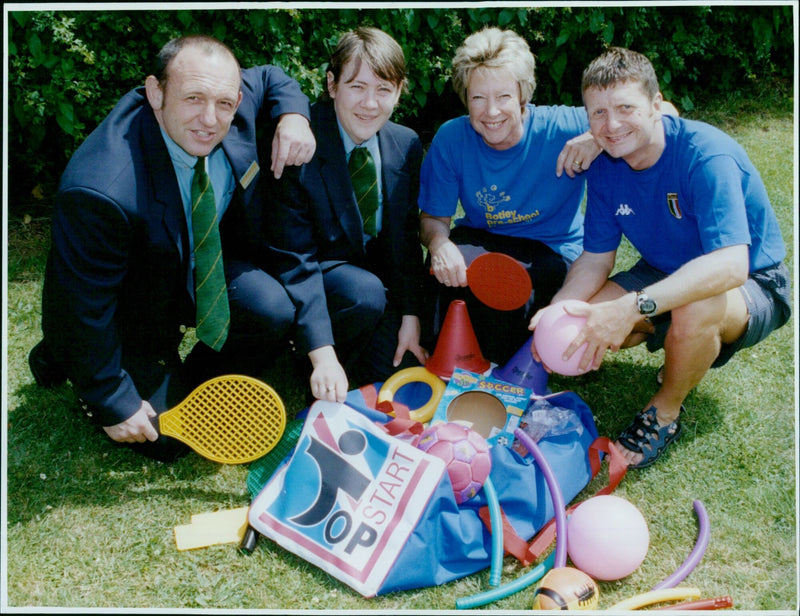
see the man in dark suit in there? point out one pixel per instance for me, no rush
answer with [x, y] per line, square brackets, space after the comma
[356, 286]
[119, 286]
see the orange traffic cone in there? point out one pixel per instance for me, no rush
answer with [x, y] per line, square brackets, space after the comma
[457, 346]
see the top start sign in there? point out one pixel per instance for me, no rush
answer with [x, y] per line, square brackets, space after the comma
[348, 498]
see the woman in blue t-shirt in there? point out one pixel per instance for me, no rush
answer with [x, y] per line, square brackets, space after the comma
[507, 166]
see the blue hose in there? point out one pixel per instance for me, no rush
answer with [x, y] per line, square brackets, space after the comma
[497, 532]
[508, 589]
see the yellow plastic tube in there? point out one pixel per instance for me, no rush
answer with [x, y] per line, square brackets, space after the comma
[656, 596]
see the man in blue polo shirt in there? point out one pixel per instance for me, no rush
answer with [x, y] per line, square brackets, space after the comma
[711, 278]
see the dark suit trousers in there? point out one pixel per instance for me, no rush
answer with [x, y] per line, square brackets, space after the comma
[364, 325]
[261, 318]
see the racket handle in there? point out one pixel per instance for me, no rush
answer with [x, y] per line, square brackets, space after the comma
[249, 540]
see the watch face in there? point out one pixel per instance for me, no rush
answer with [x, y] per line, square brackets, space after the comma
[646, 305]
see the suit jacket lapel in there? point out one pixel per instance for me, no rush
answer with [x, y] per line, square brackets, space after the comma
[391, 163]
[166, 194]
[244, 161]
[333, 168]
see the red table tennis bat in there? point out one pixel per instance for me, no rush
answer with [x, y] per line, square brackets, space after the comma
[499, 281]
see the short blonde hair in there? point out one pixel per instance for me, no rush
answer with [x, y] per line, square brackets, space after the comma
[495, 48]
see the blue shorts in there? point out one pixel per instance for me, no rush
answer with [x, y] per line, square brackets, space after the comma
[767, 295]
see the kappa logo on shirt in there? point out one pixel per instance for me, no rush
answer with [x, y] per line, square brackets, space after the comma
[624, 210]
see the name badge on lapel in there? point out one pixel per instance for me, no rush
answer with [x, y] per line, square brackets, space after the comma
[248, 176]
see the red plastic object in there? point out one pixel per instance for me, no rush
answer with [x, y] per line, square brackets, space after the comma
[457, 345]
[499, 281]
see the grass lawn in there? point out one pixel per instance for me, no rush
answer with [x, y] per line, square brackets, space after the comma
[90, 524]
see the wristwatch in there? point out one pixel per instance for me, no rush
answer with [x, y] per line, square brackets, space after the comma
[647, 306]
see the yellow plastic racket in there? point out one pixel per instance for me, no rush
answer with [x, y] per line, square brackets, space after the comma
[231, 419]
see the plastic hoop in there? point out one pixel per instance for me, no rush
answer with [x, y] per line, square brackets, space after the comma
[415, 374]
[656, 596]
[555, 494]
[557, 558]
[497, 532]
[714, 603]
[696, 554]
[509, 588]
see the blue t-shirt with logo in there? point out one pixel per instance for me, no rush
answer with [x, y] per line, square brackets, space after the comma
[703, 194]
[511, 192]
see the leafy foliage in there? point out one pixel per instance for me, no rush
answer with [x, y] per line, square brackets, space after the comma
[65, 76]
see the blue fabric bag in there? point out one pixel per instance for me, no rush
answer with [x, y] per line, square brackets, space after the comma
[441, 541]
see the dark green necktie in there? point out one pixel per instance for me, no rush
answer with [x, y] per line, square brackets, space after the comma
[211, 294]
[365, 185]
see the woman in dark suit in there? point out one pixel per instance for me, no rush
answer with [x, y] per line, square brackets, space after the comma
[356, 286]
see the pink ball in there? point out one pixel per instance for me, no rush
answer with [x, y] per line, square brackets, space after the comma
[607, 537]
[553, 333]
[465, 453]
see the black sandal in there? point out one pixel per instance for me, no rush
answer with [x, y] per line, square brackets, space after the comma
[646, 437]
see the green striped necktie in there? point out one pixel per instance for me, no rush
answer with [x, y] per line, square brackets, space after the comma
[365, 185]
[211, 294]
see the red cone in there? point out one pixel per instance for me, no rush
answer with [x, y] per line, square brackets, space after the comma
[457, 346]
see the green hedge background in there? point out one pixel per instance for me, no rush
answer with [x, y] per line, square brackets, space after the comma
[68, 68]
